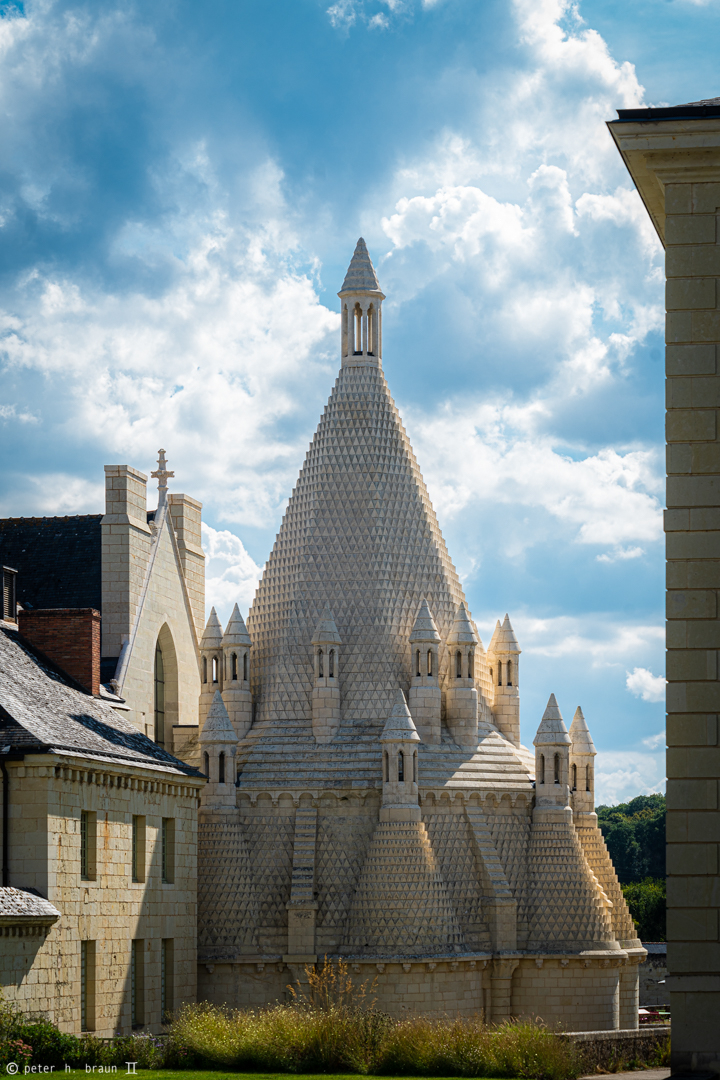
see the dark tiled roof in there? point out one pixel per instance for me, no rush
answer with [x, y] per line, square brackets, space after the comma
[57, 560]
[41, 709]
[691, 110]
[22, 905]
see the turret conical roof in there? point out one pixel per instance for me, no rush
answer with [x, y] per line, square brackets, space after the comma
[399, 726]
[504, 640]
[580, 735]
[236, 631]
[552, 730]
[424, 628]
[360, 276]
[217, 727]
[213, 635]
[463, 631]
[327, 631]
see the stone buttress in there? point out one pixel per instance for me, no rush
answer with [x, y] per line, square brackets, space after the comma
[386, 810]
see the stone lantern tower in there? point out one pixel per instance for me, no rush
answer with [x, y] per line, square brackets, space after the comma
[361, 311]
[425, 696]
[399, 742]
[504, 660]
[582, 766]
[461, 697]
[236, 694]
[552, 762]
[211, 663]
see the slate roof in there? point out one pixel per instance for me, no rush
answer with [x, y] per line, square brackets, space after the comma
[690, 110]
[21, 905]
[42, 710]
[57, 560]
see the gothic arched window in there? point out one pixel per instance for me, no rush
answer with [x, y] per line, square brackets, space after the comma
[234, 667]
[320, 664]
[214, 669]
[429, 659]
[509, 673]
[159, 696]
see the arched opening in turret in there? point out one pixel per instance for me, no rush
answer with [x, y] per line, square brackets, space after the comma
[458, 665]
[204, 667]
[557, 768]
[415, 767]
[417, 663]
[221, 768]
[331, 664]
[471, 665]
[429, 662]
[492, 674]
[357, 331]
[206, 764]
[574, 777]
[245, 667]
[499, 672]
[541, 770]
[234, 667]
[401, 767]
[321, 669]
[345, 330]
[509, 675]
[214, 669]
[588, 777]
[387, 767]
[371, 331]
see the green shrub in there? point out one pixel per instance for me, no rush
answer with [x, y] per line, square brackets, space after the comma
[646, 900]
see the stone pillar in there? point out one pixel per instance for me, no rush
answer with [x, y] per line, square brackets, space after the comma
[501, 994]
[674, 157]
[302, 906]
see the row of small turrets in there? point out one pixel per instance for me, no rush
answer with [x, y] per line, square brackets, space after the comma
[564, 764]
[225, 664]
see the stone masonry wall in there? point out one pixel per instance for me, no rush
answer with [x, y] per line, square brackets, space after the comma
[42, 974]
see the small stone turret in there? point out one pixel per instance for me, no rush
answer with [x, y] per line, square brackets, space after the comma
[582, 766]
[210, 663]
[236, 694]
[552, 762]
[461, 697]
[361, 319]
[218, 745]
[326, 689]
[399, 741]
[425, 695]
[504, 661]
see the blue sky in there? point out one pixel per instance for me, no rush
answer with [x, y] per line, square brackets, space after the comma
[181, 189]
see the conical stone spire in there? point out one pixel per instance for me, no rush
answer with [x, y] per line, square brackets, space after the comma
[424, 628]
[399, 726]
[580, 735]
[552, 730]
[463, 631]
[504, 640]
[327, 631]
[217, 727]
[236, 631]
[360, 276]
[213, 635]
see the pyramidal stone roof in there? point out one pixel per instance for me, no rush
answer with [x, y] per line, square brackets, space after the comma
[212, 635]
[399, 726]
[552, 730]
[217, 726]
[360, 276]
[424, 628]
[580, 734]
[235, 631]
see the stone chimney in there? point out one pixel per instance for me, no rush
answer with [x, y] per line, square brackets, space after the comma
[70, 638]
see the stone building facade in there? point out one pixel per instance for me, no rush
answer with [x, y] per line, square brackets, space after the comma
[99, 856]
[673, 155]
[368, 795]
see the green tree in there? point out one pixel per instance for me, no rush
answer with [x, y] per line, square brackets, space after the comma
[635, 835]
[646, 900]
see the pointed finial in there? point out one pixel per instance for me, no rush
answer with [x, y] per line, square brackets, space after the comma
[504, 640]
[580, 735]
[327, 631]
[552, 730]
[463, 631]
[361, 276]
[162, 474]
[213, 635]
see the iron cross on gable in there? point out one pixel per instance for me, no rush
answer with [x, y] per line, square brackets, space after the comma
[162, 474]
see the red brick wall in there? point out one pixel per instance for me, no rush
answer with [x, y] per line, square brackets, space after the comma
[70, 637]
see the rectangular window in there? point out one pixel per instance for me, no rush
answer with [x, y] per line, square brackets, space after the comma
[9, 577]
[168, 850]
[167, 979]
[138, 848]
[87, 985]
[137, 983]
[88, 845]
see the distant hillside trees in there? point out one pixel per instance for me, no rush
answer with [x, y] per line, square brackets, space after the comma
[635, 835]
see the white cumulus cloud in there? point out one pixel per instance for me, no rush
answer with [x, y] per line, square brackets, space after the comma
[643, 684]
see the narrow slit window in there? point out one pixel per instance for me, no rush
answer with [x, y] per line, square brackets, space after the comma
[541, 770]
[206, 764]
[499, 672]
[401, 767]
[321, 671]
[204, 667]
[417, 662]
[159, 697]
[88, 845]
[458, 665]
[214, 669]
[415, 767]
[234, 667]
[137, 983]
[331, 664]
[138, 848]
[557, 768]
[167, 980]
[588, 778]
[221, 769]
[168, 851]
[245, 667]
[370, 338]
[429, 662]
[387, 766]
[87, 985]
[574, 777]
[509, 673]
[471, 665]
